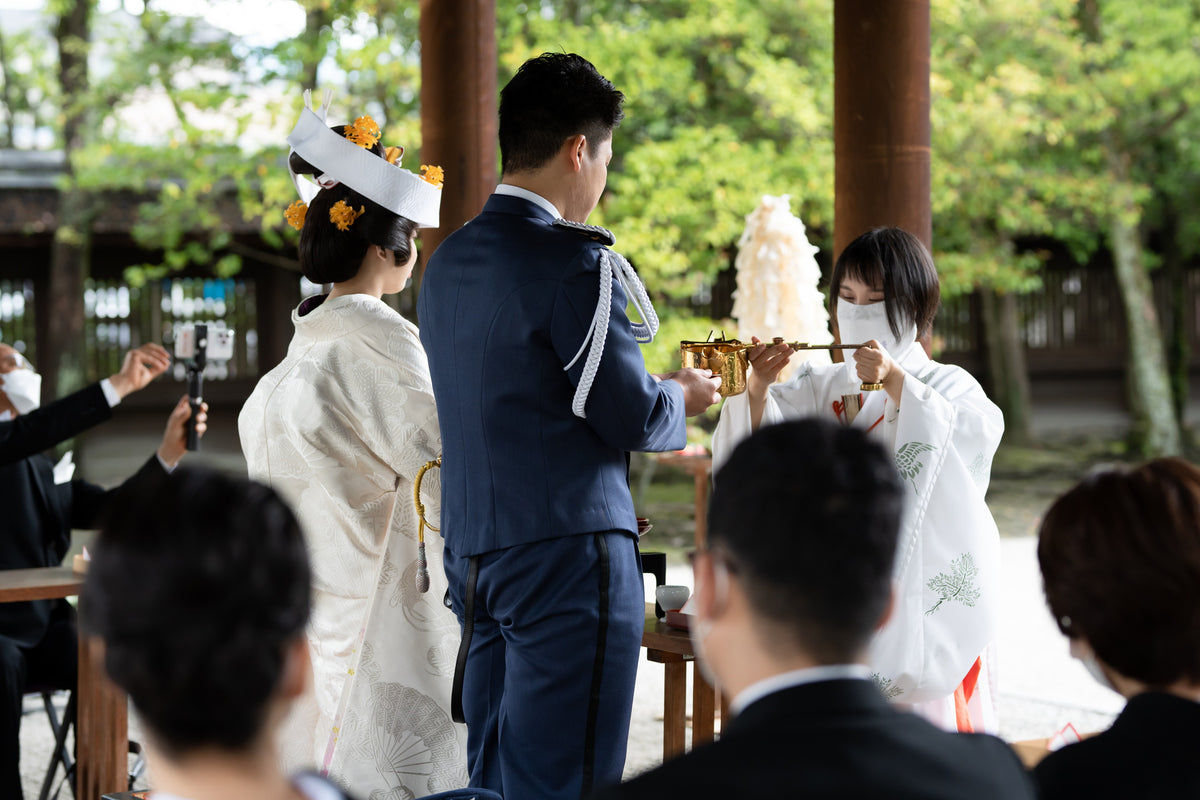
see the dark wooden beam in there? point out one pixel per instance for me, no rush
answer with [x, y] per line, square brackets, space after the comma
[458, 106]
[881, 124]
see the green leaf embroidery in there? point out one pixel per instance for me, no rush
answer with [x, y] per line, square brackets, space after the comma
[978, 467]
[958, 584]
[908, 461]
[885, 686]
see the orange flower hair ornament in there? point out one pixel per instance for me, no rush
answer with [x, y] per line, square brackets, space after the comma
[364, 132]
[432, 175]
[295, 214]
[343, 216]
[347, 158]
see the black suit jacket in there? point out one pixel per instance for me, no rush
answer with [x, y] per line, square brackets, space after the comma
[36, 516]
[52, 423]
[1151, 751]
[835, 739]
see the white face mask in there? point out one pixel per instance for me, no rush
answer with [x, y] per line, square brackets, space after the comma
[699, 629]
[858, 324]
[24, 389]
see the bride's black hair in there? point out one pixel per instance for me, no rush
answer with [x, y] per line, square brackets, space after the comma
[330, 255]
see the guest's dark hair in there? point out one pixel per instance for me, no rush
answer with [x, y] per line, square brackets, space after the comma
[896, 261]
[551, 98]
[1120, 558]
[198, 584]
[808, 513]
[330, 255]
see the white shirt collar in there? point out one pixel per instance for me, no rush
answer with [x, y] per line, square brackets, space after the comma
[525, 194]
[798, 677]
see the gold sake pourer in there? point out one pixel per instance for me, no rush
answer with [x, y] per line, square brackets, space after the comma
[727, 358]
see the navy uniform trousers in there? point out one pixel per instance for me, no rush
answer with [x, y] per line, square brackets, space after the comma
[548, 686]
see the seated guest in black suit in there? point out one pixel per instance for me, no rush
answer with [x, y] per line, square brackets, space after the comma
[40, 507]
[802, 537]
[200, 588]
[1120, 557]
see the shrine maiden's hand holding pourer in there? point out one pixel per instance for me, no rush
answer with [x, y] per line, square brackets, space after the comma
[727, 359]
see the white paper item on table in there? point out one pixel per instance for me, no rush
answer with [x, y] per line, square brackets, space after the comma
[1068, 735]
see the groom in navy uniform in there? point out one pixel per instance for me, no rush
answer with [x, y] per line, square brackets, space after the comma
[540, 531]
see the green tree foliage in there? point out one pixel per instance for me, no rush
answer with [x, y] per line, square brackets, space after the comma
[1053, 120]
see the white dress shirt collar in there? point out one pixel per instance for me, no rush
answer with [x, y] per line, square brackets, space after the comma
[525, 194]
[798, 677]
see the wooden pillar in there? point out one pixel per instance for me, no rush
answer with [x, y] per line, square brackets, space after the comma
[881, 125]
[458, 107]
[277, 292]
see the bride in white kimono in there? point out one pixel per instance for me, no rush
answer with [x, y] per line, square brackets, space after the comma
[340, 428]
[935, 653]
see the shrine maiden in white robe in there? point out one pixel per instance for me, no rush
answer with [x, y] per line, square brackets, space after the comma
[340, 429]
[943, 435]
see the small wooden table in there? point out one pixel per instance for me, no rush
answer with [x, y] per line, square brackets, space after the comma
[700, 468]
[102, 722]
[673, 649]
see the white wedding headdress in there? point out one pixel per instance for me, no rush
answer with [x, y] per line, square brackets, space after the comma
[342, 161]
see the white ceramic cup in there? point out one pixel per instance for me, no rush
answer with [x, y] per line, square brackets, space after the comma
[672, 598]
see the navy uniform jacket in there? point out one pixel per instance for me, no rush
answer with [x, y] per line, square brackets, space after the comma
[505, 304]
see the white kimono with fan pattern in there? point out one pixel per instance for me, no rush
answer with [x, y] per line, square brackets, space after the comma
[943, 435]
[340, 428]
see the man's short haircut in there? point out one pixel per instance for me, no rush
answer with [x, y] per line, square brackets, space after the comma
[1120, 559]
[897, 262]
[198, 584]
[808, 513]
[551, 98]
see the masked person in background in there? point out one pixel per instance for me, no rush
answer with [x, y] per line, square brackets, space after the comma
[26, 427]
[935, 653]
[41, 505]
[1120, 559]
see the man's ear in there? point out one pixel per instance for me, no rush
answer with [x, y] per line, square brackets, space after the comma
[711, 579]
[573, 150]
[297, 668]
[888, 608]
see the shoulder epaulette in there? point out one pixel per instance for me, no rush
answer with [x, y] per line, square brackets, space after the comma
[594, 232]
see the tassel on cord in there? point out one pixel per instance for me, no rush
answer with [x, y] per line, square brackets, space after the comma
[643, 332]
[422, 564]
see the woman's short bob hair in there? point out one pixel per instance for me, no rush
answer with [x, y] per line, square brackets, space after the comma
[896, 261]
[329, 255]
[1120, 558]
